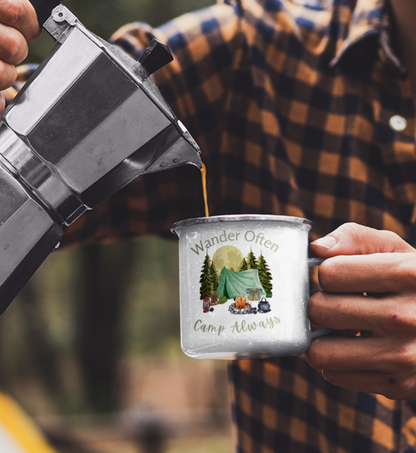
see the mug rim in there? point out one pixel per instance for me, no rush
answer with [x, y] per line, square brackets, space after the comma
[239, 217]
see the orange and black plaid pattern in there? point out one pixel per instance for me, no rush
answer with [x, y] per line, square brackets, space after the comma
[293, 103]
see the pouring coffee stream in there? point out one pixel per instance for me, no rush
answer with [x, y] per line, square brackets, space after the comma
[204, 188]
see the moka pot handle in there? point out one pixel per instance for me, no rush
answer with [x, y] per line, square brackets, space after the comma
[44, 8]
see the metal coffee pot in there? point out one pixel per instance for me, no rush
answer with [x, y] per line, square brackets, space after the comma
[87, 123]
[263, 305]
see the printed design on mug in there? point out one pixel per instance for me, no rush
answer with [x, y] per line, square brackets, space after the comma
[228, 275]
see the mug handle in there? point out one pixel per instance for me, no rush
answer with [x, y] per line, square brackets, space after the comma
[325, 330]
[315, 261]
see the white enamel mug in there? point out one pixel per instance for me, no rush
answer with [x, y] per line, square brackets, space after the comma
[244, 286]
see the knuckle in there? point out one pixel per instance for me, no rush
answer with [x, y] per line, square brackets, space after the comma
[400, 318]
[321, 309]
[314, 358]
[14, 12]
[404, 357]
[316, 308]
[7, 75]
[390, 236]
[319, 359]
[394, 243]
[328, 273]
[406, 269]
[349, 229]
[378, 240]
[397, 389]
[395, 320]
[333, 377]
[13, 47]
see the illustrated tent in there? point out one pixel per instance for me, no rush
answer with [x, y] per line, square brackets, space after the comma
[232, 284]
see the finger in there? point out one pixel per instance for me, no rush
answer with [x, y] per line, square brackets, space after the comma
[2, 103]
[354, 239]
[338, 352]
[395, 315]
[350, 311]
[376, 273]
[20, 15]
[8, 75]
[373, 382]
[13, 45]
[373, 352]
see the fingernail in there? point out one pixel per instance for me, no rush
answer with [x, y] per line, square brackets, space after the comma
[328, 242]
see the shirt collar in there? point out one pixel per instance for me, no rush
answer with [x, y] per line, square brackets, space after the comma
[369, 19]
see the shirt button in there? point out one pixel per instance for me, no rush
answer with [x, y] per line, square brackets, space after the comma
[398, 123]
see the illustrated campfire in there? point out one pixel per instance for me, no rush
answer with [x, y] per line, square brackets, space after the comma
[241, 306]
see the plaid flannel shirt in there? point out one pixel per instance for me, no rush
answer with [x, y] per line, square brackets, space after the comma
[301, 107]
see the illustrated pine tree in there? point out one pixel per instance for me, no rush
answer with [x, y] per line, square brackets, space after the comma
[265, 275]
[251, 261]
[205, 280]
[215, 277]
[243, 266]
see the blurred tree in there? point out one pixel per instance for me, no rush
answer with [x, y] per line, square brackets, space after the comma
[104, 279]
[42, 356]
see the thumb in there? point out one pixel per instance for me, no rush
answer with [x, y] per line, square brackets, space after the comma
[354, 239]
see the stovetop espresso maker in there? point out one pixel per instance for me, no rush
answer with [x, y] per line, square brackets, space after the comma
[87, 123]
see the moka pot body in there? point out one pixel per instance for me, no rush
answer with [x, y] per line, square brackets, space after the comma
[87, 123]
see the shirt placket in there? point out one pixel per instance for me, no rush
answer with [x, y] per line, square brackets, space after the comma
[394, 122]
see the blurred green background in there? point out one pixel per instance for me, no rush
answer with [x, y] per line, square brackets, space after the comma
[95, 332]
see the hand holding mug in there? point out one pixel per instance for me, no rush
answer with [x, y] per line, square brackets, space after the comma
[369, 286]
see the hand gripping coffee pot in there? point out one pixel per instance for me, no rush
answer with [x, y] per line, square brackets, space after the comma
[87, 123]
